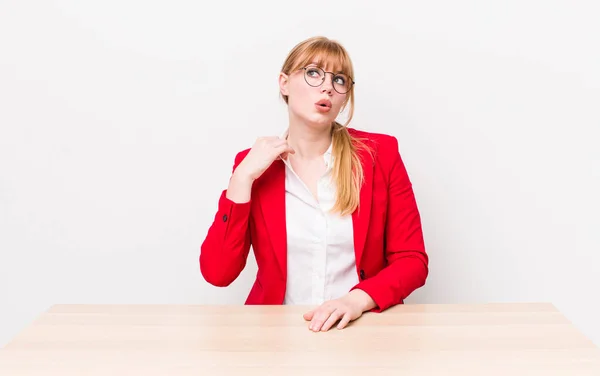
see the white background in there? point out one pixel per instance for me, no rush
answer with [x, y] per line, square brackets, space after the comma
[119, 122]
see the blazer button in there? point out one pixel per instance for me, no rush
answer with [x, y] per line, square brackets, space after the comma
[362, 274]
[224, 217]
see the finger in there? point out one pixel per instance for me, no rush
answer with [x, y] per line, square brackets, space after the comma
[317, 321]
[284, 149]
[285, 154]
[316, 324]
[335, 316]
[344, 321]
[309, 315]
[319, 318]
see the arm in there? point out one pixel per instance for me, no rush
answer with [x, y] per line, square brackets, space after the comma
[225, 249]
[407, 261]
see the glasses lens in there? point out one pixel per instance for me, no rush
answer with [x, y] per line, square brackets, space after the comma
[341, 83]
[314, 76]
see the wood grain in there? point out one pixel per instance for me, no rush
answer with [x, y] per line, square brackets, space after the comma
[472, 339]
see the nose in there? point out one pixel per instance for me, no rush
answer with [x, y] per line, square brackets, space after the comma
[327, 85]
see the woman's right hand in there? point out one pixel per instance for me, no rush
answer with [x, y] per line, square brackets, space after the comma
[262, 154]
[264, 151]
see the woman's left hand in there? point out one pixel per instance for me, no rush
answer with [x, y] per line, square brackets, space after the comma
[345, 309]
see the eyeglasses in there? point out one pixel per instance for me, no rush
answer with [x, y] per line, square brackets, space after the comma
[315, 76]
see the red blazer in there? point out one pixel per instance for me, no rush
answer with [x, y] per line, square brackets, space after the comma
[391, 261]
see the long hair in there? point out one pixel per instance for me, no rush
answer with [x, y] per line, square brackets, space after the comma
[347, 168]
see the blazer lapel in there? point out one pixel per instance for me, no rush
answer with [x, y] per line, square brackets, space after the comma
[271, 195]
[272, 203]
[362, 215]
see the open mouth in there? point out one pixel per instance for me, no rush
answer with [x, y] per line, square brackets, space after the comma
[324, 104]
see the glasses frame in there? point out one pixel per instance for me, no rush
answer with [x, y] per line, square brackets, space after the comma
[324, 76]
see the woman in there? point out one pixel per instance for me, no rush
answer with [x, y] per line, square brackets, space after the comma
[328, 210]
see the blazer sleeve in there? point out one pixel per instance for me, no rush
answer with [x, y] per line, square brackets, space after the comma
[224, 251]
[407, 260]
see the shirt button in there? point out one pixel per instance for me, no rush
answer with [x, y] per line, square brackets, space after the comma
[362, 274]
[224, 217]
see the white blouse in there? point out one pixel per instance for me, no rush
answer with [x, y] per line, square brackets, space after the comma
[321, 263]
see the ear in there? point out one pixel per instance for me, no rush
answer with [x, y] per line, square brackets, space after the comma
[283, 83]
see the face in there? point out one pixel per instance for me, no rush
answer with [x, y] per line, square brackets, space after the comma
[317, 105]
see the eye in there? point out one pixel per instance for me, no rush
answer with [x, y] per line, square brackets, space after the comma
[313, 72]
[340, 80]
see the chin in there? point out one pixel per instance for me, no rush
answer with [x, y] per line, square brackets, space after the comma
[319, 119]
[322, 120]
[320, 123]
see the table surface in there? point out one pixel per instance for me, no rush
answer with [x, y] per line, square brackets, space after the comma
[447, 339]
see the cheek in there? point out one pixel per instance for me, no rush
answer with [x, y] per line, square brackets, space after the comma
[300, 97]
[338, 105]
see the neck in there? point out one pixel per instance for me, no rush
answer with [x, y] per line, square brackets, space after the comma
[308, 142]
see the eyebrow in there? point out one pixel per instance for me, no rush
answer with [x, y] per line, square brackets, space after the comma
[317, 64]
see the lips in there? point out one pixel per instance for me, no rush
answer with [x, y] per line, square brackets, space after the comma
[325, 103]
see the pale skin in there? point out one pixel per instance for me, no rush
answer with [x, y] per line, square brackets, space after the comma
[308, 139]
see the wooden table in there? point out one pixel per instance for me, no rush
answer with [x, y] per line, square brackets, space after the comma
[486, 339]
